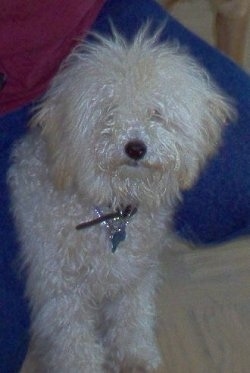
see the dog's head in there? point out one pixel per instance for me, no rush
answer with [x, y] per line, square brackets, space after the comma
[131, 122]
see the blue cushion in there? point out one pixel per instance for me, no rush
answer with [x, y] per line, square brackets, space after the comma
[216, 209]
[14, 317]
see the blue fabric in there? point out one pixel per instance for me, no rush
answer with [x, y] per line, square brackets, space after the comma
[14, 317]
[216, 209]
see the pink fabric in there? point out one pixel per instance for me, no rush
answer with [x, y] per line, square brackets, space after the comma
[35, 36]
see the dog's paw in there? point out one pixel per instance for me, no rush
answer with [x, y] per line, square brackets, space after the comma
[143, 358]
[136, 367]
[128, 368]
[143, 363]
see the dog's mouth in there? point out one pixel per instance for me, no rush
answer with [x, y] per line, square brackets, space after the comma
[130, 163]
[132, 170]
[142, 166]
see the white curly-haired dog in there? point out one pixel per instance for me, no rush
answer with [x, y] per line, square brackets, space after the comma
[123, 129]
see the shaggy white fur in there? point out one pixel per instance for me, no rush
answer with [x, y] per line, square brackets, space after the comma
[123, 124]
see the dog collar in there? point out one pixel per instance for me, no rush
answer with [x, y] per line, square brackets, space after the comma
[114, 222]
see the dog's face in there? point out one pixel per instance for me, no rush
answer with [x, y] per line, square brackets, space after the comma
[131, 123]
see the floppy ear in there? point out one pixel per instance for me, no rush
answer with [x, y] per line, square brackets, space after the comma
[49, 116]
[218, 111]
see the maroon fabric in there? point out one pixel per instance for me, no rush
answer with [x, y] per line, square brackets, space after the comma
[35, 36]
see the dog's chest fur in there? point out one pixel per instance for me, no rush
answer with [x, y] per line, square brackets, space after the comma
[74, 258]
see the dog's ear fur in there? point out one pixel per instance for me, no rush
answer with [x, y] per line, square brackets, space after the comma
[218, 112]
[49, 117]
[204, 110]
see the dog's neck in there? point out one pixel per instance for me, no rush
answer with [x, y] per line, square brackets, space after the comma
[114, 222]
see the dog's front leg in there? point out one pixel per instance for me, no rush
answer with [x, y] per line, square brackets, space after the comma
[130, 340]
[64, 338]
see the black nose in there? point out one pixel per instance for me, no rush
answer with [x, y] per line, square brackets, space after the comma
[135, 149]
